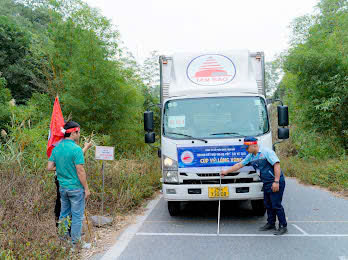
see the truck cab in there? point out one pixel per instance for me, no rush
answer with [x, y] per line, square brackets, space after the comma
[209, 103]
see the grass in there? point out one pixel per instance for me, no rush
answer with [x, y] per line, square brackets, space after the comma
[313, 158]
[330, 174]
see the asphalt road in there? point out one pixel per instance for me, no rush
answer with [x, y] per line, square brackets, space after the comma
[317, 223]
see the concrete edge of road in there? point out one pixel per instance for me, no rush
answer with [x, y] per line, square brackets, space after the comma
[126, 236]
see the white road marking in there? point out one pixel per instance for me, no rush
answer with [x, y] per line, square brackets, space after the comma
[300, 229]
[242, 221]
[343, 258]
[123, 241]
[238, 235]
[177, 234]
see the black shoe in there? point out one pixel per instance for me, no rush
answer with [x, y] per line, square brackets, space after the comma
[267, 227]
[281, 231]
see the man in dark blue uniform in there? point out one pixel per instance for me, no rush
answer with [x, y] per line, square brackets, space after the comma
[273, 180]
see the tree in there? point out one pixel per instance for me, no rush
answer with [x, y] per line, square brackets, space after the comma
[316, 69]
[15, 62]
[273, 74]
[5, 98]
[151, 90]
[22, 31]
[97, 83]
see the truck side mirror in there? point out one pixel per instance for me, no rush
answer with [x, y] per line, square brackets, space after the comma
[149, 138]
[283, 116]
[148, 121]
[283, 133]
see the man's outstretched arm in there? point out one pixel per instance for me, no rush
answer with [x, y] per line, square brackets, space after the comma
[86, 147]
[234, 168]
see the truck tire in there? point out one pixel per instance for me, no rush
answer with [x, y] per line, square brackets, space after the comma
[174, 208]
[258, 207]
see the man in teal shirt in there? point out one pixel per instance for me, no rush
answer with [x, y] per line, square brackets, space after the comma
[67, 160]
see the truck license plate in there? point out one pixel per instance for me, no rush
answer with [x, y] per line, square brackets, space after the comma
[216, 192]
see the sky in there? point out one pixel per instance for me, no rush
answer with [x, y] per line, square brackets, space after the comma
[170, 26]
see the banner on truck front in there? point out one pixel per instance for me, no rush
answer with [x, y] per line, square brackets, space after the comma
[210, 156]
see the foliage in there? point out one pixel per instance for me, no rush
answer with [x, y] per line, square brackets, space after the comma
[316, 69]
[127, 183]
[331, 174]
[26, 205]
[5, 98]
[18, 63]
[272, 76]
[70, 49]
[312, 158]
[27, 194]
[151, 90]
[29, 129]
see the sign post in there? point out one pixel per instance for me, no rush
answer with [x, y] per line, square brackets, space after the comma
[104, 153]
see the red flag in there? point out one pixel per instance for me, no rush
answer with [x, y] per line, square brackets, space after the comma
[57, 123]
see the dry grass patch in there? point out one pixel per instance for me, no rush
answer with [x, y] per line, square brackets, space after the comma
[331, 174]
[27, 222]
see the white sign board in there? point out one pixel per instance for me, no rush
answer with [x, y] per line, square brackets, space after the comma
[104, 153]
[176, 121]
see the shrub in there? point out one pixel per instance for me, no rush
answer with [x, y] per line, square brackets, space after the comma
[27, 195]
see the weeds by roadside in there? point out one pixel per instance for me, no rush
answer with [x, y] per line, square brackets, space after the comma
[27, 224]
[313, 158]
[27, 197]
[331, 174]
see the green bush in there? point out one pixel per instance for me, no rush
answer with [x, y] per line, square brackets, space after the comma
[316, 68]
[312, 145]
[331, 174]
[5, 98]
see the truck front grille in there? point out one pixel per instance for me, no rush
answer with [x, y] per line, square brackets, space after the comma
[215, 174]
[217, 181]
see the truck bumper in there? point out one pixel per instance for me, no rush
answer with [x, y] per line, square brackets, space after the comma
[184, 192]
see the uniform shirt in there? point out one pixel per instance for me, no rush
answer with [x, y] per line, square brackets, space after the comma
[66, 155]
[264, 153]
[264, 160]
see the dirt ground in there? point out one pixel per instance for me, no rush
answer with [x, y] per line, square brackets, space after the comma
[105, 237]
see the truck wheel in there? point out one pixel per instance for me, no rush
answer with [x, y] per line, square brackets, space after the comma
[174, 208]
[258, 207]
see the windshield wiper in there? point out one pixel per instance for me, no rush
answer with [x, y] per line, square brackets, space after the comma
[188, 136]
[229, 133]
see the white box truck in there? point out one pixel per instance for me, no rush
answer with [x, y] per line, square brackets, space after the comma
[209, 103]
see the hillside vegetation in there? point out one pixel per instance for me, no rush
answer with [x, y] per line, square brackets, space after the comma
[66, 48]
[315, 87]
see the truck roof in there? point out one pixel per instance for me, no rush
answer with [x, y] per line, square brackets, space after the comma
[229, 72]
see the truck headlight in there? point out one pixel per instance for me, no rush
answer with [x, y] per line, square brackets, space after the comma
[168, 162]
[171, 177]
[170, 170]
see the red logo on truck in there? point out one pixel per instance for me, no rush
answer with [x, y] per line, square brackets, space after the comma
[211, 70]
[187, 157]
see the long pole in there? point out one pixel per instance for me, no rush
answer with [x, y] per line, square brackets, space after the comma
[218, 228]
[89, 229]
[103, 190]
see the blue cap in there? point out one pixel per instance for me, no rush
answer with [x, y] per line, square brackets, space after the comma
[249, 140]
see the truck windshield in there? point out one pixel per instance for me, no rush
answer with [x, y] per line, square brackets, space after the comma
[217, 117]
